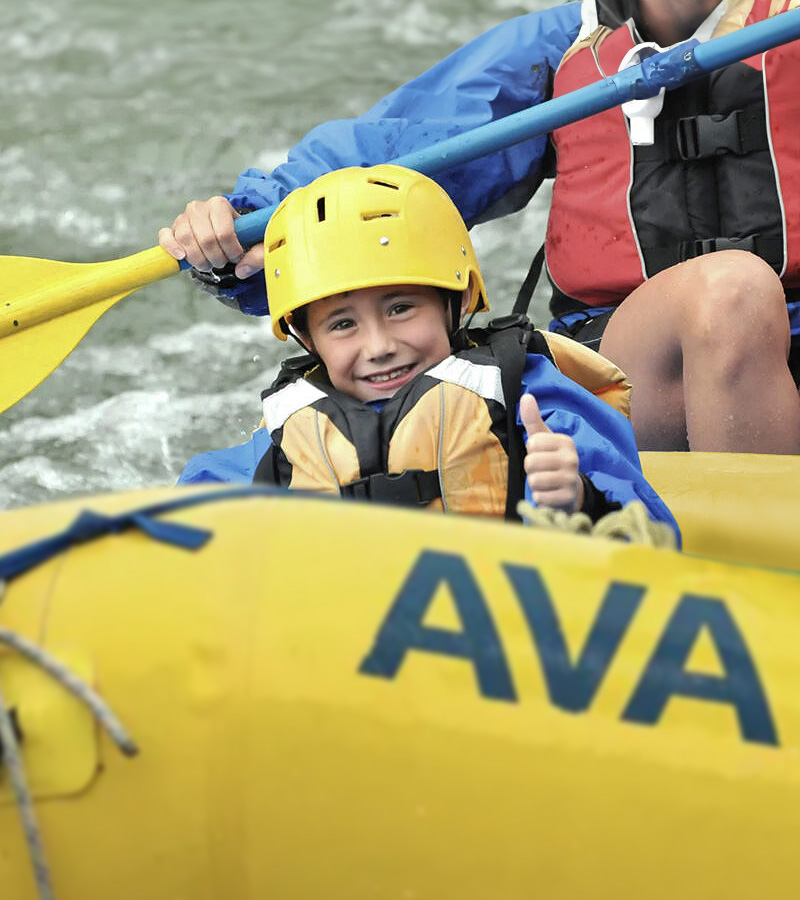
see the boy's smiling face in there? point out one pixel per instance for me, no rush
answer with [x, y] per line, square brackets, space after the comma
[375, 340]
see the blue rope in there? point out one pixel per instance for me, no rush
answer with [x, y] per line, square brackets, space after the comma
[90, 525]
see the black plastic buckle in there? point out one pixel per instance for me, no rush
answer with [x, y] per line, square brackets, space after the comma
[700, 137]
[513, 320]
[399, 488]
[692, 249]
[296, 364]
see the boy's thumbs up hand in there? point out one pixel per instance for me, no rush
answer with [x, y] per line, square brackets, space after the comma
[551, 461]
[532, 420]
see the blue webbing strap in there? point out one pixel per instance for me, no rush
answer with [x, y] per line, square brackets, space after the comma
[566, 321]
[91, 525]
[583, 316]
[793, 306]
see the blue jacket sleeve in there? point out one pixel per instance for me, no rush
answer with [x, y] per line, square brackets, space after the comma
[503, 71]
[603, 437]
[232, 464]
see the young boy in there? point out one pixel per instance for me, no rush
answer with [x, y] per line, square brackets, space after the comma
[372, 271]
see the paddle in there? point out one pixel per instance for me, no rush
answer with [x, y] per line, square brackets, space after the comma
[46, 307]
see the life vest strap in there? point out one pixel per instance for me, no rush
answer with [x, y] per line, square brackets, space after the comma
[510, 338]
[690, 138]
[741, 132]
[769, 249]
[413, 487]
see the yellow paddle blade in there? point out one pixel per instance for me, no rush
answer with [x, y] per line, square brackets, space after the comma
[47, 306]
[32, 354]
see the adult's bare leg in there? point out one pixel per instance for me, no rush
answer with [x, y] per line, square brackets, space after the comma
[705, 344]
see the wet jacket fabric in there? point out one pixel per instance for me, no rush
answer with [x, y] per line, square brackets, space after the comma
[603, 437]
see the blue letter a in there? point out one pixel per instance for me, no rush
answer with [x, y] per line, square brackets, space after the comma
[665, 674]
[402, 630]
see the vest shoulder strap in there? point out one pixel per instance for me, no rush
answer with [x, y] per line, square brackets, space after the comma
[592, 40]
[511, 338]
[291, 369]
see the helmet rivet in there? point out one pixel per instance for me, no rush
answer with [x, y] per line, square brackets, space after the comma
[277, 273]
[383, 241]
[458, 275]
[464, 251]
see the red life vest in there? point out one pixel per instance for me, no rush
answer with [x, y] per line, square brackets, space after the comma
[724, 171]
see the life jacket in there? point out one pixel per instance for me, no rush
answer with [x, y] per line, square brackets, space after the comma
[723, 173]
[448, 439]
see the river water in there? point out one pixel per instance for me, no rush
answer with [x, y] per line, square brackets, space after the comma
[112, 117]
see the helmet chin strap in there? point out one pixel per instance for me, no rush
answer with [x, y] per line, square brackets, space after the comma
[459, 340]
[290, 332]
[308, 349]
[454, 304]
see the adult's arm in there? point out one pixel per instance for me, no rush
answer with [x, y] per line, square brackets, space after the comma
[503, 71]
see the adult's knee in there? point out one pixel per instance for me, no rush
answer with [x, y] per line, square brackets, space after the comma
[736, 297]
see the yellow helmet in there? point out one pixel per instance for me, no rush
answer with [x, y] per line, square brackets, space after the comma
[365, 227]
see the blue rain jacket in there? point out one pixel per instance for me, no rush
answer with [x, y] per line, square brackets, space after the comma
[603, 437]
[503, 71]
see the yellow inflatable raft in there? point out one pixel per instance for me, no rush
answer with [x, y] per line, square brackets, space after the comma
[348, 701]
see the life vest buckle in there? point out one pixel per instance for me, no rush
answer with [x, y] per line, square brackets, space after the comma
[412, 487]
[514, 320]
[692, 249]
[294, 365]
[701, 137]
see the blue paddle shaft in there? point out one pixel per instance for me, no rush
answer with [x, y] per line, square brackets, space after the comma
[670, 69]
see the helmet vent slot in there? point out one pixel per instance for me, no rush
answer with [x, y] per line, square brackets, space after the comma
[274, 246]
[367, 217]
[386, 184]
[321, 209]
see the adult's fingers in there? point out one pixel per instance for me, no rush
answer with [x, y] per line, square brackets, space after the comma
[222, 215]
[195, 230]
[205, 233]
[251, 262]
[168, 242]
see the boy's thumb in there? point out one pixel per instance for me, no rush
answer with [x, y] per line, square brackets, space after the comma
[532, 420]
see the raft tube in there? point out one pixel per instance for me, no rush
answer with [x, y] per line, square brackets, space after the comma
[335, 699]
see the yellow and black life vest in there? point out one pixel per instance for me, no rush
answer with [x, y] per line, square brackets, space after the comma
[443, 441]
